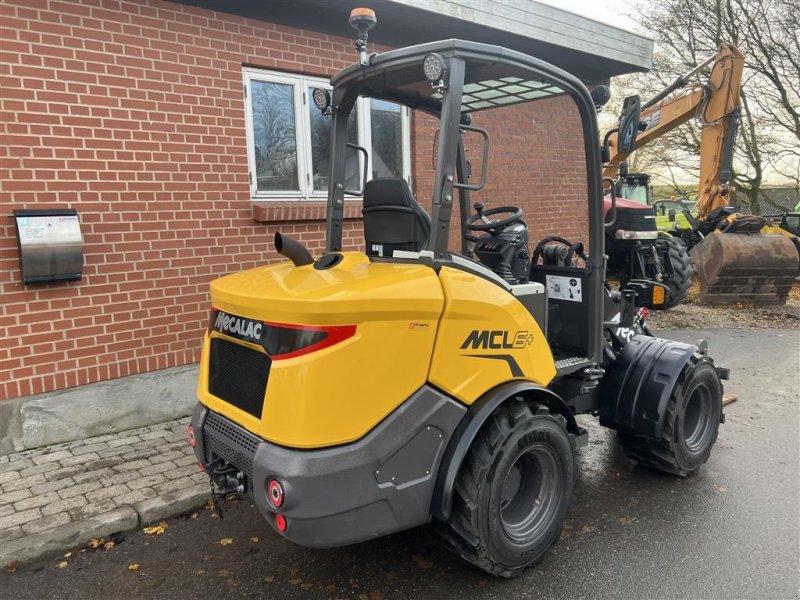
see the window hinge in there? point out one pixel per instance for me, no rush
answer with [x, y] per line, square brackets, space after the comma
[304, 97]
[250, 178]
[245, 90]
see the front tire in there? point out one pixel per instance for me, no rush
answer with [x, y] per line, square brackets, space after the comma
[514, 490]
[680, 280]
[691, 423]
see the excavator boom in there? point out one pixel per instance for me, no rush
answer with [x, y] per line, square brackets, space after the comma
[733, 261]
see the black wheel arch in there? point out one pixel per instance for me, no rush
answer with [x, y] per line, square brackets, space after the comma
[471, 423]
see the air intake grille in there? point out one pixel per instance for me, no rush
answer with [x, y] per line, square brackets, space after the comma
[238, 375]
[229, 442]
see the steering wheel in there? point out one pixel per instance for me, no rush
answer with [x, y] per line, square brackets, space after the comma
[478, 222]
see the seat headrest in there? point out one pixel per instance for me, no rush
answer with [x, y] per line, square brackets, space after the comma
[393, 191]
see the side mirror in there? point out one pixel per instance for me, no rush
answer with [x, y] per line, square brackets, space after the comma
[623, 169]
[600, 96]
[629, 124]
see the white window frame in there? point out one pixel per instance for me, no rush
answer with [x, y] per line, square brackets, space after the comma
[301, 84]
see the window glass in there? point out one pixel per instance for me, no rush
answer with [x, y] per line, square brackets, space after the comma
[321, 137]
[387, 139]
[274, 136]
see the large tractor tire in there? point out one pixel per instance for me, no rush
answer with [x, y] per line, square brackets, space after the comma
[691, 423]
[681, 279]
[514, 489]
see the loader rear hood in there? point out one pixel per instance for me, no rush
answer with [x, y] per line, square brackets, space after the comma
[308, 357]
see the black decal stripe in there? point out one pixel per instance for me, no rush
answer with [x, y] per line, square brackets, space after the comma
[512, 364]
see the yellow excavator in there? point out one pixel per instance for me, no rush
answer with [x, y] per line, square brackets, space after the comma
[733, 260]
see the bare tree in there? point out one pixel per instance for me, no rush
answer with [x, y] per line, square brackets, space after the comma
[688, 31]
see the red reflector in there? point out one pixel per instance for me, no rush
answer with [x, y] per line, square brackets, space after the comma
[275, 493]
[190, 436]
[280, 523]
[644, 313]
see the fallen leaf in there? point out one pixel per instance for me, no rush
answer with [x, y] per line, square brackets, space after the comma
[269, 578]
[210, 505]
[226, 541]
[63, 564]
[68, 554]
[156, 529]
[199, 572]
[194, 515]
[108, 545]
[296, 581]
[12, 566]
[254, 539]
[626, 520]
[95, 543]
[133, 567]
[330, 588]
[376, 595]
[588, 529]
[215, 516]
[305, 586]
[422, 562]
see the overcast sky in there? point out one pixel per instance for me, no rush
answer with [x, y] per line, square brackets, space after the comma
[607, 11]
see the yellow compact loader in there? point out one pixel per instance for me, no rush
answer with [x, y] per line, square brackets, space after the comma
[358, 394]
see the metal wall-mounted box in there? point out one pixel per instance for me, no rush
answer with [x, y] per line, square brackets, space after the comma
[50, 244]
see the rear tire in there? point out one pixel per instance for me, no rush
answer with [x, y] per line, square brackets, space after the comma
[514, 489]
[691, 423]
[682, 271]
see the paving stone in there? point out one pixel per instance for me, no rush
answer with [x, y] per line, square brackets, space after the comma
[189, 459]
[123, 477]
[52, 486]
[126, 441]
[64, 472]
[11, 533]
[64, 505]
[92, 475]
[95, 447]
[160, 426]
[130, 466]
[199, 477]
[140, 454]
[173, 485]
[154, 435]
[148, 481]
[77, 490]
[6, 509]
[186, 471]
[180, 445]
[51, 457]
[11, 497]
[10, 476]
[92, 509]
[24, 483]
[107, 492]
[159, 458]
[15, 465]
[45, 468]
[36, 501]
[18, 518]
[103, 463]
[157, 468]
[149, 444]
[108, 453]
[46, 523]
[138, 495]
[79, 460]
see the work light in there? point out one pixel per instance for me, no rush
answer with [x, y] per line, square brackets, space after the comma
[434, 67]
[322, 98]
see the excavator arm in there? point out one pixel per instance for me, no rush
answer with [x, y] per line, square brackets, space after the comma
[715, 105]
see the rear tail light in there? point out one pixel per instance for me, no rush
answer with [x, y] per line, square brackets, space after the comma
[280, 340]
[190, 436]
[275, 493]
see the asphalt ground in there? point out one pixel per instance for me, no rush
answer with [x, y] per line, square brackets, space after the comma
[729, 531]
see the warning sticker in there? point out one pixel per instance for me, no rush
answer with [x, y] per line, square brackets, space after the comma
[564, 288]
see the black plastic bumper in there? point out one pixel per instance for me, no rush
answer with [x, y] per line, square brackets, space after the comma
[381, 484]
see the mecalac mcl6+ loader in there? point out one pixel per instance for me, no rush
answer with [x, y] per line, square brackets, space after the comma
[362, 393]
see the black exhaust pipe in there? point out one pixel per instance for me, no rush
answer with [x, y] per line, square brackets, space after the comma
[293, 250]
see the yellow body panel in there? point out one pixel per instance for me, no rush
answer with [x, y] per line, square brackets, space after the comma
[480, 326]
[337, 394]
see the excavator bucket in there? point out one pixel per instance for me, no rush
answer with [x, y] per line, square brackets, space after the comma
[735, 267]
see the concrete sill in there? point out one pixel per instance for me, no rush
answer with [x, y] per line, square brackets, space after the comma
[304, 210]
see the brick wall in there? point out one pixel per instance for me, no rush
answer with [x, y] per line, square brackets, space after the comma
[133, 114]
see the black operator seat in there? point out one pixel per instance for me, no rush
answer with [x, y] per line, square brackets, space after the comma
[393, 220]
